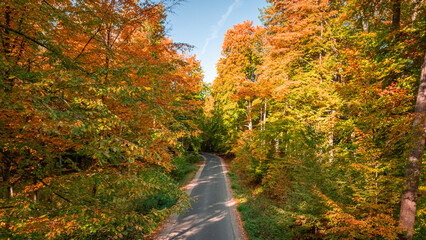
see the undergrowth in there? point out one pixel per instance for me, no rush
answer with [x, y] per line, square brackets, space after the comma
[111, 203]
[264, 219]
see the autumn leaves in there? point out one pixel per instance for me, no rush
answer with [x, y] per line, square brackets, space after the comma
[91, 88]
[318, 106]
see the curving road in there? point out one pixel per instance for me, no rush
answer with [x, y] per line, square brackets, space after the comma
[213, 214]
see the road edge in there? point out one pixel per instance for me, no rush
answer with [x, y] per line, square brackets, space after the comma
[190, 186]
[237, 226]
[166, 228]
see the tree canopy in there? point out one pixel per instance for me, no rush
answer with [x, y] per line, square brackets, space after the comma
[95, 102]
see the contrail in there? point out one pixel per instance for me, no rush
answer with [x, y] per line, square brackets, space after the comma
[220, 24]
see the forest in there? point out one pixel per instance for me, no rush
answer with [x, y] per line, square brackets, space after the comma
[322, 111]
[97, 108]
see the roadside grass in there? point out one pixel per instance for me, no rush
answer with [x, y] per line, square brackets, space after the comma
[262, 219]
[266, 219]
[185, 169]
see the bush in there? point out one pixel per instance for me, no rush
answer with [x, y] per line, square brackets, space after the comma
[160, 200]
[183, 165]
[194, 158]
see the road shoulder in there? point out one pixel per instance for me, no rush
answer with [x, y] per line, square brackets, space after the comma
[166, 228]
[237, 223]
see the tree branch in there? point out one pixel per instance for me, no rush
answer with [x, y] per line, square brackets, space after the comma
[57, 194]
[67, 62]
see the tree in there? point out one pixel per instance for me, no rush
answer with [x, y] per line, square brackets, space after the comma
[413, 168]
[235, 85]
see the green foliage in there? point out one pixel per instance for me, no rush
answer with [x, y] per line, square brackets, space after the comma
[215, 137]
[128, 203]
[183, 165]
[332, 115]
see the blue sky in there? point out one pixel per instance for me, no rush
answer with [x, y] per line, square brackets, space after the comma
[203, 24]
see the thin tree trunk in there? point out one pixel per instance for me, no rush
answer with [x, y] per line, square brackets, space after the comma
[11, 193]
[353, 138]
[396, 22]
[331, 145]
[6, 175]
[263, 118]
[107, 60]
[7, 45]
[250, 121]
[365, 22]
[35, 193]
[277, 147]
[413, 168]
[94, 189]
[331, 139]
[376, 179]
[416, 9]
[264, 114]
[415, 12]
[322, 33]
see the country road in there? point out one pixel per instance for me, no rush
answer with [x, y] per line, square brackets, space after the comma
[213, 214]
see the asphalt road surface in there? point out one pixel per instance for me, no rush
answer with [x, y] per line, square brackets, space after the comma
[213, 214]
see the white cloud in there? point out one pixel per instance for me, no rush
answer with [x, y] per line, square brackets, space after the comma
[219, 25]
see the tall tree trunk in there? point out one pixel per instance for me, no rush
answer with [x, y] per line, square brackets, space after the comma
[413, 168]
[396, 18]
